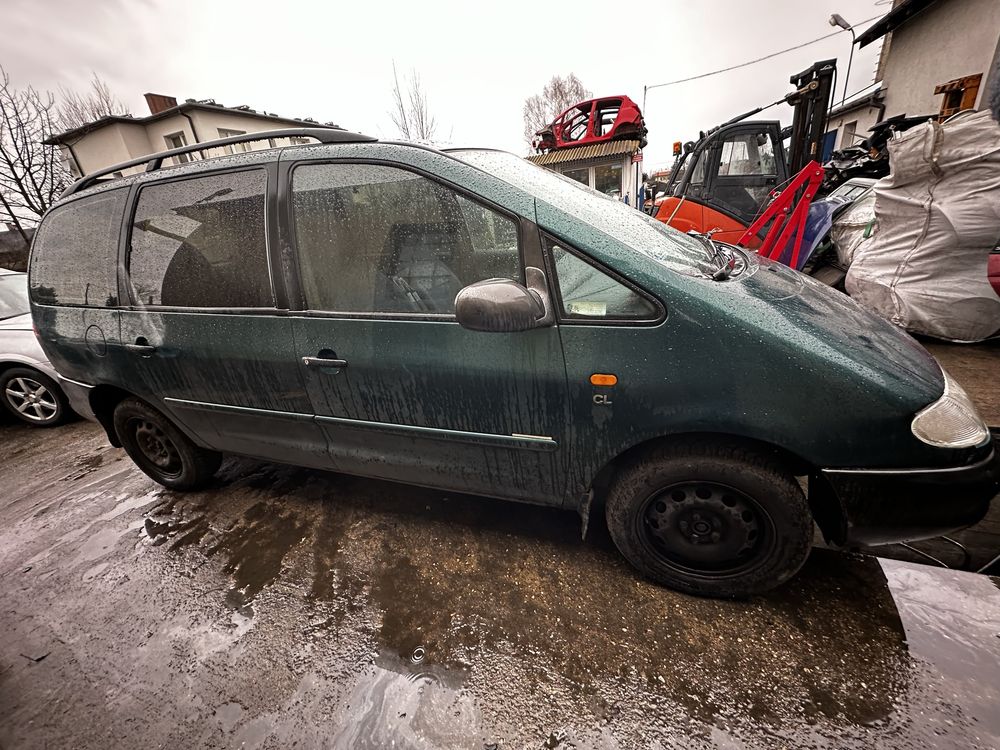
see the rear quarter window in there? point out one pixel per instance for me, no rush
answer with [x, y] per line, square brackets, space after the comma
[74, 259]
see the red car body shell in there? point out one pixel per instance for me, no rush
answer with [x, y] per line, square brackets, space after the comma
[593, 121]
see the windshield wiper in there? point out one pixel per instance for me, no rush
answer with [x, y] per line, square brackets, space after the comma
[720, 256]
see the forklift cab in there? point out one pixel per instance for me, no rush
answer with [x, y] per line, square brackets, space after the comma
[725, 179]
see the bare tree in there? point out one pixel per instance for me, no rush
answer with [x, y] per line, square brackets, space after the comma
[31, 176]
[560, 93]
[412, 115]
[76, 109]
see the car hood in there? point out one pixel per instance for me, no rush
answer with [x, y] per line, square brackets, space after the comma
[812, 316]
[17, 323]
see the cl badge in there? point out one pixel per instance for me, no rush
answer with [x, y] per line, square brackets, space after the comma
[600, 398]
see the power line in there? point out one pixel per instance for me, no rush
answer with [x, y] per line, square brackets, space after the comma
[752, 62]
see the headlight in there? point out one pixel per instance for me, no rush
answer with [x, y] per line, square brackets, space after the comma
[951, 421]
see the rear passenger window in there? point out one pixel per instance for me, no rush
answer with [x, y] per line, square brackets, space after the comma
[372, 238]
[588, 292]
[200, 242]
[74, 260]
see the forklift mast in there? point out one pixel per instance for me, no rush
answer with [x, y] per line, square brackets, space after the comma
[811, 100]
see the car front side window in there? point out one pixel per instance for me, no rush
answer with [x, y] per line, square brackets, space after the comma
[587, 292]
[380, 239]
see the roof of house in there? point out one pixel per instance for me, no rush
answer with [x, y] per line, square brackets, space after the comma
[894, 19]
[209, 106]
[867, 97]
[580, 153]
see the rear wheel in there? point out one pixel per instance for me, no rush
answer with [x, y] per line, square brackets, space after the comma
[162, 451]
[710, 520]
[32, 397]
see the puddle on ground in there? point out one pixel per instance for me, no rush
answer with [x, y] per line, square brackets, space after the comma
[228, 715]
[84, 465]
[255, 548]
[491, 611]
[92, 573]
[393, 705]
[103, 542]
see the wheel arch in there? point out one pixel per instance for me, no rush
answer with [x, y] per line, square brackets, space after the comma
[826, 508]
[103, 400]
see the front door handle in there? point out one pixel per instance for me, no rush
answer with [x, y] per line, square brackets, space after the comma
[323, 362]
[141, 347]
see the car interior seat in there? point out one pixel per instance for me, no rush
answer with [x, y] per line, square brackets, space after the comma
[417, 267]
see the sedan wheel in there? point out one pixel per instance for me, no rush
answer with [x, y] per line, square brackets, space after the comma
[32, 397]
[32, 400]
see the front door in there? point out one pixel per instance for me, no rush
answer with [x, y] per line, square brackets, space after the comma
[401, 390]
[204, 340]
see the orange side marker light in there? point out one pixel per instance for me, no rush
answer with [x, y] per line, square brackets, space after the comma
[599, 378]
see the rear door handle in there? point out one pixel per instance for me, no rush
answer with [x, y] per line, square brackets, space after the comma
[323, 362]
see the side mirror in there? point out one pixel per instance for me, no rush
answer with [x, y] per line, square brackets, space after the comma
[502, 305]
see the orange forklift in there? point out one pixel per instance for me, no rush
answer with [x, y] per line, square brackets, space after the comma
[725, 180]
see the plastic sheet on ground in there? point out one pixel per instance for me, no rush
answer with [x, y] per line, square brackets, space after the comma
[938, 216]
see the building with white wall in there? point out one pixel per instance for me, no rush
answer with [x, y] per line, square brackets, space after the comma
[848, 123]
[116, 139]
[938, 57]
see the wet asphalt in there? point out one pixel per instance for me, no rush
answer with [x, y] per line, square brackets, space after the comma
[294, 608]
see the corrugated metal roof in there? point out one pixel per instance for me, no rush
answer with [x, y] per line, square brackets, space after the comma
[581, 153]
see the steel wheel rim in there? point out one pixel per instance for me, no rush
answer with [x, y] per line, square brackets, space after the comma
[156, 448]
[31, 399]
[706, 529]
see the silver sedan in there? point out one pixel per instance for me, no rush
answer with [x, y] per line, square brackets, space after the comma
[29, 387]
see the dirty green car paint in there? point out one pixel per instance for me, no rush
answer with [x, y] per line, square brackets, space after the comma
[768, 355]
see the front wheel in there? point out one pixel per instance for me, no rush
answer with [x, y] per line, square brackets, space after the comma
[162, 451]
[710, 520]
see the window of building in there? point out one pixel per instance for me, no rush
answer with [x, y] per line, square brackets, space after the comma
[235, 148]
[608, 179]
[75, 256]
[580, 175]
[588, 292]
[847, 139]
[200, 242]
[959, 94]
[177, 140]
[381, 239]
[297, 140]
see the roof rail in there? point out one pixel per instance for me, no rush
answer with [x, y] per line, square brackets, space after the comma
[154, 162]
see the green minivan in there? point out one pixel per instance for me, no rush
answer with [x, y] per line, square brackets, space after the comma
[468, 321]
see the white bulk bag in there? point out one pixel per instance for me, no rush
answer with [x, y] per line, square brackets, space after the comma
[938, 216]
[850, 228]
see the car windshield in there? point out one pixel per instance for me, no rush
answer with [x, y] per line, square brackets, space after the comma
[13, 295]
[652, 238]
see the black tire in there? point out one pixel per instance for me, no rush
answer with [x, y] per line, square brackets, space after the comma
[162, 451]
[33, 397]
[711, 520]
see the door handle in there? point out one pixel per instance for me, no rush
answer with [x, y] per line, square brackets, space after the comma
[323, 362]
[141, 347]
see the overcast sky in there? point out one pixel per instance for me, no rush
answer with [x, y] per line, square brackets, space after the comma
[333, 61]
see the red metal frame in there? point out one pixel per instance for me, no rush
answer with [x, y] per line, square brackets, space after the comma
[787, 220]
[628, 123]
